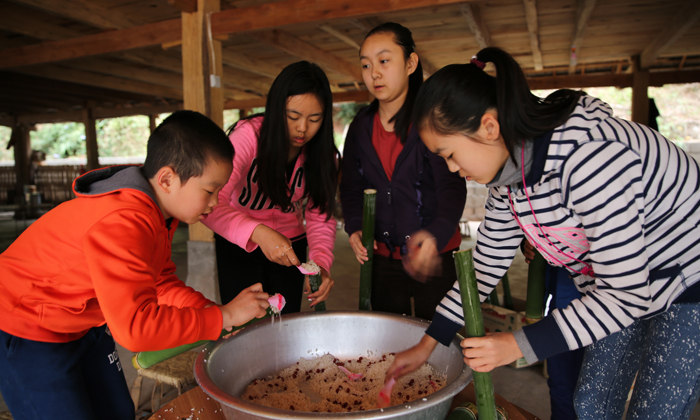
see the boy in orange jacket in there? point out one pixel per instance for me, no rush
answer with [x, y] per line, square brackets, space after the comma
[103, 259]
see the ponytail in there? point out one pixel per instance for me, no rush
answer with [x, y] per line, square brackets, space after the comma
[454, 99]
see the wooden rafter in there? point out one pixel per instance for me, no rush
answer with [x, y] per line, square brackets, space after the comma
[533, 32]
[472, 13]
[352, 96]
[341, 36]
[15, 18]
[302, 49]
[263, 16]
[249, 64]
[187, 6]
[684, 18]
[101, 80]
[583, 13]
[84, 11]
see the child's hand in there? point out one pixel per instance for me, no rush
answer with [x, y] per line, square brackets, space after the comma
[323, 290]
[359, 249]
[528, 251]
[276, 247]
[423, 260]
[483, 354]
[250, 303]
[409, 360]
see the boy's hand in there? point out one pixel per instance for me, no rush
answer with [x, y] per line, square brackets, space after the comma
[276, 247]
[409, 360]
[323, 290]
[483, 354]
[250, 303]
[359, 249]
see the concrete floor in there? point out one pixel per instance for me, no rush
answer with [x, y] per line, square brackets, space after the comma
[525, 387]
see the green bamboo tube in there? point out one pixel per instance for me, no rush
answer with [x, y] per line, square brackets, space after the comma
[534, 306]
[474, 325]
[315, 282]
[507, 297]
[493, 297]
[146, 359]
[368, 242]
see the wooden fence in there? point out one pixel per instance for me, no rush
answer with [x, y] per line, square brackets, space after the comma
[54, 183]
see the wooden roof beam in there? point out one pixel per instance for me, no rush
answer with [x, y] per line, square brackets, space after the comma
[21, 20]
[352, 96]
[84, 11]
[533, 32]
[101, 80]
[583, 13]
[252, 65]
[263, 16]
[302, 49]
[472, 13]
[341, 36]
[684, 19]
[187, 6]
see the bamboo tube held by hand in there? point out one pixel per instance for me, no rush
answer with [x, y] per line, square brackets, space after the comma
[474, 325]
[146, 359]
[534, 306]
[493, 297]
[368, 212]
[315, 282]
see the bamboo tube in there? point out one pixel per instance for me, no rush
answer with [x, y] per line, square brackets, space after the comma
[146, 359]
[507, 297]
[474, 325]
[368, 242]
[493, 297]
[534, 306]
[315, 283]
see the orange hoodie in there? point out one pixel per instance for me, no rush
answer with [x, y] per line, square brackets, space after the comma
[102, 257]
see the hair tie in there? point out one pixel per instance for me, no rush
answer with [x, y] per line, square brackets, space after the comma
[476, 62]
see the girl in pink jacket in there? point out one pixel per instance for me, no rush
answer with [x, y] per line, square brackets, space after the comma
[281, 194]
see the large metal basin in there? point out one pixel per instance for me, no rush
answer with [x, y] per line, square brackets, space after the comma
[224, 368]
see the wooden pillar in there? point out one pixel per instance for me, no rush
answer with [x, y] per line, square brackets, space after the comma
[90, 140]
[640, 96]
[202, 71]
[152, 122]
[21, 142]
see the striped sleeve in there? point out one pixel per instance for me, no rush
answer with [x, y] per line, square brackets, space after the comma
[498, 240]
[602, 183]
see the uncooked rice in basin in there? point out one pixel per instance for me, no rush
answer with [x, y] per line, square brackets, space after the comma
[318, 385]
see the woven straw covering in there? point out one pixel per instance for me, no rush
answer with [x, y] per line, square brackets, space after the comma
[5, 415]
[177, 371]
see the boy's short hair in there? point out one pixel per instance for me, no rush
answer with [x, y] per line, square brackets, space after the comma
[185, 141]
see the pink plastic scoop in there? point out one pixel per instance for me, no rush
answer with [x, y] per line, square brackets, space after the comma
[305, 271]
[385, 394]
[277, 303]
[351, 376]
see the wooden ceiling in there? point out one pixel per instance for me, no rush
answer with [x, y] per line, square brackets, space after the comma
[116, 57]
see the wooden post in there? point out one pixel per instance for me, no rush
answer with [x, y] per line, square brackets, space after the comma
[152, 122]
[640, 97]
[21, 142]
[90, 140]
[202, 72]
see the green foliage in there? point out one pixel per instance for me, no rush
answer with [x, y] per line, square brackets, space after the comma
[344, 113]
[122, 137]
[59, 140]
[5, 134]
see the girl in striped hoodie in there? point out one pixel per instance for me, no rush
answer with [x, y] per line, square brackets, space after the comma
[611, 201]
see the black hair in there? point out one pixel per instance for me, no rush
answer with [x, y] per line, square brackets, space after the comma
[453, 100]
[322, 156]
[403, 38]
[185, 141]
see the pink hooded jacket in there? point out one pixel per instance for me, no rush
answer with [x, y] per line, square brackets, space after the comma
[242, 207]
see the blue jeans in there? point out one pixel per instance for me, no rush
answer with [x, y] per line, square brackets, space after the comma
[665, 350]
[78, 380]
